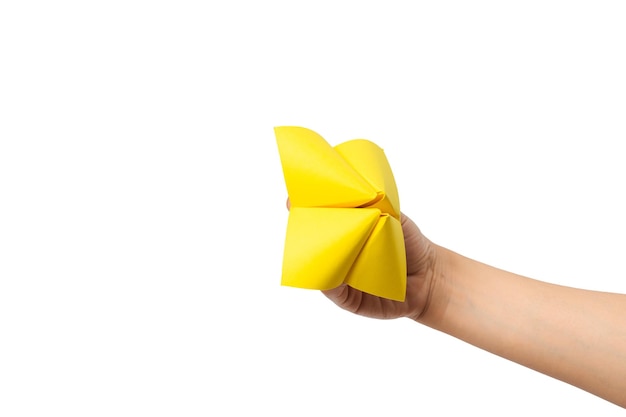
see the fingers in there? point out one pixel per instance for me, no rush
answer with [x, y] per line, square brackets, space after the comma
[345, 297]
[338, 295]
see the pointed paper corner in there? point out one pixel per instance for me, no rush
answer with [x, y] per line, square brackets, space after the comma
[322, 244]
[370, 161]
[380, 269]
[315, 174]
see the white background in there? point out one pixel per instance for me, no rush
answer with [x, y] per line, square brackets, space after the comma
[143, 205]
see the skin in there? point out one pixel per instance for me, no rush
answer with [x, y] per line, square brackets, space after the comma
[574, 335]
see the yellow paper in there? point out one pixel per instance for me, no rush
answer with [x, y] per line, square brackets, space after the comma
[344, 223]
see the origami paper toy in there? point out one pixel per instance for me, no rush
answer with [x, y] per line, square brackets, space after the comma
[344, 221]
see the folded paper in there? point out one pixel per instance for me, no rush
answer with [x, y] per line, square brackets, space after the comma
[344, 221]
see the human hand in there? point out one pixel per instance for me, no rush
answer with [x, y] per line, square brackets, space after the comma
[421, 265]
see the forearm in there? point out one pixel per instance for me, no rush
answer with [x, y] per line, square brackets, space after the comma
[574, 335]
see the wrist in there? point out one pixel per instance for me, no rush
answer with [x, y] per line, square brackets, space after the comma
[436, 285]
[426, 280]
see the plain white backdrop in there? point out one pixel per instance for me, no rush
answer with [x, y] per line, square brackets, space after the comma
[143, 205]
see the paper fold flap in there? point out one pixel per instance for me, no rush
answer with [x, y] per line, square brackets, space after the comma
[381, 266]
[316, 175]
[370, 161]
[322, 244]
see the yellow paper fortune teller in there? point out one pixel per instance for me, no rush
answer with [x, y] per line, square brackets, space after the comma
[344, 222]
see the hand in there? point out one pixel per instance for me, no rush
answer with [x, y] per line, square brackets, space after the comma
[421, 266]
